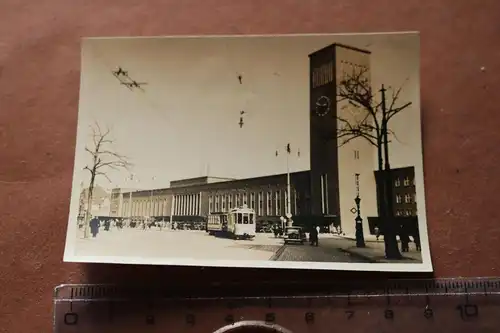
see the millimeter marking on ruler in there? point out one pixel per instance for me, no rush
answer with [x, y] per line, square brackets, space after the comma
[456, 305]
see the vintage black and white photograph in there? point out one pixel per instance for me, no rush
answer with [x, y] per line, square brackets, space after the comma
[287, 151]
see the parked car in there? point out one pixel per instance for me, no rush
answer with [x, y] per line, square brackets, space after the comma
[294, 235]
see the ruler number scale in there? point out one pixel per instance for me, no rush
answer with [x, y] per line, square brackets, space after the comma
[442, 305]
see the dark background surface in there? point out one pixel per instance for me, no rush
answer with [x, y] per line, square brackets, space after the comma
[39, 80]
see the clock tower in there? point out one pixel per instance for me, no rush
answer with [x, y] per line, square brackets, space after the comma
[326, 68]
[323, 140]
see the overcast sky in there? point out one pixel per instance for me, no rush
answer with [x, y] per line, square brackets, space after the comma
[185, 122]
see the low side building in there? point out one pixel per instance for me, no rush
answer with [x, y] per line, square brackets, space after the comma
[404, 199]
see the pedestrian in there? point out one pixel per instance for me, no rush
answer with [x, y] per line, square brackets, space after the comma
[404, 238]
[313, 236]
[275, 231]
[94, 226]
[107, 224]
[318, 231]
[416, 240]
[377, 233]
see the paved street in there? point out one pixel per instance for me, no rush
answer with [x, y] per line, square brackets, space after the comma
[179, 243]
[198, 244]
[327, 251]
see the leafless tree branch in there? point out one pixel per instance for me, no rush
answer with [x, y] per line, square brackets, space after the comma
[393, 134]
[355, 89]
[104, 175]
[394, 111]
[103, 159]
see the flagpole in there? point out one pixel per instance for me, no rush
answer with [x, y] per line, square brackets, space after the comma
[151, 208]
[130, 205]
[131, 179]
[288, 201]
[172, 207]
[288, 212]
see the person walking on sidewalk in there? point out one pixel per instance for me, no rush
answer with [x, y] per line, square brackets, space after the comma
[318, 230]
[95, 224]
[275, 231]
[313, 236]
[404, 238]
[416, 240]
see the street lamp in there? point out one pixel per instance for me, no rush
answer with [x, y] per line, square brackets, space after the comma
[151, 208]
[288, 203]
[130, 179]
[360, 240]
[172, 210]
[81, 204]
[288, 212]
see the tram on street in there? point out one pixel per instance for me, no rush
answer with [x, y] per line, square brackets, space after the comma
[217, 223]
[238, 223]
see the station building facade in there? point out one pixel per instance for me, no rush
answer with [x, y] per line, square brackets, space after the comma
[193, 199]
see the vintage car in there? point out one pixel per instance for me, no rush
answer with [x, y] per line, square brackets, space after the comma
[294, 235]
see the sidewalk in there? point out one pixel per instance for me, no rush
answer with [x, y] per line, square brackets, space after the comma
[374, 251]
[368, 238]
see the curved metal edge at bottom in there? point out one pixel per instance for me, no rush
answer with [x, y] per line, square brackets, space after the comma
[256, 324]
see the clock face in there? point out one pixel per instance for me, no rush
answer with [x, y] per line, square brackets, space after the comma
[323, 106]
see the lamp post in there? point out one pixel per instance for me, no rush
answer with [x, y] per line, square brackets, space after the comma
[151, 208]
[288, 203]
[360, 240]
[129, 213]
[130, 179]
[288, 211]
[81, 204]
[172, 210]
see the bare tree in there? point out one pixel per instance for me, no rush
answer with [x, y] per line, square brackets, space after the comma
[103, 159]
[371, 123]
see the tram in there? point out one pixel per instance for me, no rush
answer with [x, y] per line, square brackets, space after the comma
[238, 223]
[217, 223]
